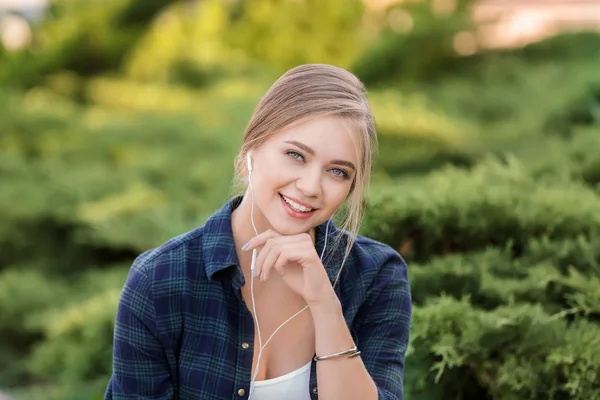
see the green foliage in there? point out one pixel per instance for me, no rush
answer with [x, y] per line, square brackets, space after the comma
[73, 316]
[486, 180]
[267, 30]
[455, 210]
[78, 340]
[186, 44]
[78, 180]
[24, 294]
[512, 352]
[415, 28]
[558, 275]
[580, 252]
[514, 95]
[574, 158]
[413, 137]
[82, 37]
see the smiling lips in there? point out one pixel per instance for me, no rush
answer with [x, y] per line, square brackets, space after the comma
[296, 208]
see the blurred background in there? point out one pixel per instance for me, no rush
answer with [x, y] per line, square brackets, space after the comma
[119, 121]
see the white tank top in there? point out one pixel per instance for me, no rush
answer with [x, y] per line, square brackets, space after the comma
[292, 386]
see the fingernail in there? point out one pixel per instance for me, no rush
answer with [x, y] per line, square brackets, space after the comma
[244, 247]
[262, 276]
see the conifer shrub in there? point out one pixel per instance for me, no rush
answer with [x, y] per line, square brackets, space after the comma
[457, 210]
[505, 276]
[512, 352]
[486, 182]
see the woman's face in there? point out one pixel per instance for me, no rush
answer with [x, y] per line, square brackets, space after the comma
[302, 174]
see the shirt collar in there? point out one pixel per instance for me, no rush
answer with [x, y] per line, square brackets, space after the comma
[218, 246]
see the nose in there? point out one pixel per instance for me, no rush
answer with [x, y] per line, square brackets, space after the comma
[309, 183]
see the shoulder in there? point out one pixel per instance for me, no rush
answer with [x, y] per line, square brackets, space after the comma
[384, 277]
[373, 271]
[183, 263]
[170, 260]
[169, 273]
[376, 258]
[160, 282]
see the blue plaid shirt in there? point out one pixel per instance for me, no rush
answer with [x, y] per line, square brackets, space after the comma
[183, 331]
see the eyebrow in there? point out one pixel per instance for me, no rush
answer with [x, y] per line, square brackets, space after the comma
[312, 153]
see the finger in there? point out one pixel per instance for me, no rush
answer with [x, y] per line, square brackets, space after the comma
[264, 252]
[260, 239]
[290, 253]
[274, 255]
[280, 249]
[281, 264]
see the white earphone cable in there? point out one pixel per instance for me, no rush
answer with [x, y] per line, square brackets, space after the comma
[253, 270]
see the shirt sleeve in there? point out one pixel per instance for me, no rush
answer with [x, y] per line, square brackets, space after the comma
[383, 333]
[140, 367]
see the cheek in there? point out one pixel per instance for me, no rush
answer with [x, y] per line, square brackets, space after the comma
[268, 184]
[337, 194]
[276, 176]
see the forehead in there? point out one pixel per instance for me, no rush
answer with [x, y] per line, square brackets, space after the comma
[328, 136]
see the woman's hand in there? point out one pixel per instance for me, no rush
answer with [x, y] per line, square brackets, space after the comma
[295, 259]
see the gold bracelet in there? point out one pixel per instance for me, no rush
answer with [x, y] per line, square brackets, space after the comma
[353, 352]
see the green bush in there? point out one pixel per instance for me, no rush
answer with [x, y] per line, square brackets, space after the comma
[574, 158]
[494, 203]
[24, 295]
[415, 138]
[512, 352]
[77, 345]
[495, 278]
[77, 180]
[486, 181]
[60, 319]
[490, 278]
[421, 52]
[265, 30]
[580, 252]
[519, 101]
[81, 37]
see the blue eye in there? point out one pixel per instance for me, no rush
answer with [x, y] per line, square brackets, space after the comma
[341, 173]
[295, 155]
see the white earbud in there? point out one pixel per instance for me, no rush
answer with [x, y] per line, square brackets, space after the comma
[248, 162]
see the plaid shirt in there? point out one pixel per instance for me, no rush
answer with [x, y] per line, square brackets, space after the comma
[182, 330]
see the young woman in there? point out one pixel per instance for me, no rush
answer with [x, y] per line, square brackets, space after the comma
[268, 299]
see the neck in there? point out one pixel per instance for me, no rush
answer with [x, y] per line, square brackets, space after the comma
[243, 231]
[241, 221]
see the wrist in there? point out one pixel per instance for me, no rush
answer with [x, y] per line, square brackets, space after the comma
[328, 305]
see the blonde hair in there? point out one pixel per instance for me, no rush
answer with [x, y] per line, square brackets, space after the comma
[309, 91]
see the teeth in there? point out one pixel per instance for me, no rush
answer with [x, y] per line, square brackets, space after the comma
[296, 206]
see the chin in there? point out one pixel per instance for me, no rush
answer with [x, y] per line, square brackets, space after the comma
[284, 227]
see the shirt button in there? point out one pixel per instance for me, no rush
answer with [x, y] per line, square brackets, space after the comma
[245, 345]
[315, 390]
[241, 392]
